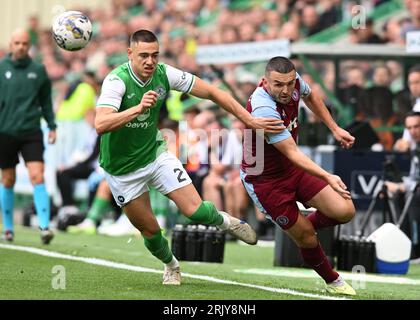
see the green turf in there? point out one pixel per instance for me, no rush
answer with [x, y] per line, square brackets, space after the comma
[29, 276]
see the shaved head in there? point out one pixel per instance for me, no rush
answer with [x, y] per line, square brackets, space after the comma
[20, 44]
[20, 33]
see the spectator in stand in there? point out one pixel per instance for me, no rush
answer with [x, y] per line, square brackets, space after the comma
[352, 91]
[80, 97]
[413, 24]
[406, 142]
[365, 34]
[377, 105]
[236, 199]
[289, 30]
[216, 146]
[391, 32]
[100, 206]
[33, 29]
[412, 125]
[247, 32]
[330, 12]
[71, 115]
[311, 23]
[197, 146]
[67, 176]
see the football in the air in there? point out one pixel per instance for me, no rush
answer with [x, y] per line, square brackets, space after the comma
[72, 30]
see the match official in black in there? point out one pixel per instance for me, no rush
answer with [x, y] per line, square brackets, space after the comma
[25, 96]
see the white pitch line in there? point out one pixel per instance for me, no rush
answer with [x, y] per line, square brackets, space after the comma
[123, 266]
[345, 275]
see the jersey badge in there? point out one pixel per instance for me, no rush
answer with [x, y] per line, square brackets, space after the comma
[161, 91]
[295, 95]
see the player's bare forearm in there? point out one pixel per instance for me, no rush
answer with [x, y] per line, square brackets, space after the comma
[223, 99]
[289, 148]
[108, 119]
[227, 102]
[317, 106]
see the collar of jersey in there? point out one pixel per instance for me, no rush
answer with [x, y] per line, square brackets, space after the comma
[137, 79]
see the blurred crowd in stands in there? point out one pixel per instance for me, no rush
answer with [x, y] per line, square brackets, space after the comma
[373, 90]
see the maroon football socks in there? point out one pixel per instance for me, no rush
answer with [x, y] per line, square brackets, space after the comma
[316, 259]
[320, 220]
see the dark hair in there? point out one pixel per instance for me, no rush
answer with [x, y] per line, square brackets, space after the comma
[279, 64]
[90, 74]
[414, 69]
[143, 36]
[412, 114]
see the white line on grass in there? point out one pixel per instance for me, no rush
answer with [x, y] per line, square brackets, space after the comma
[123, 266]
[346, 275]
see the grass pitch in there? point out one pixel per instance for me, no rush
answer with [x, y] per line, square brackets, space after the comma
[246, 274]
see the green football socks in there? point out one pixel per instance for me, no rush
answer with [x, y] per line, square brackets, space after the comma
[207, 214]
[98, 209]
[159, 247]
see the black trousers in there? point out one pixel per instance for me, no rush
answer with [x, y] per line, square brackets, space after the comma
[414, 218]
[66, 180]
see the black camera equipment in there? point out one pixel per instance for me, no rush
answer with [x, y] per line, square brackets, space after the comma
[390, 172]
[198, 243]
[411, 192]
[356, 250]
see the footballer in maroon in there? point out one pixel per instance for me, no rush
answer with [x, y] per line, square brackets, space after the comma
[276, 189]
[276, 173]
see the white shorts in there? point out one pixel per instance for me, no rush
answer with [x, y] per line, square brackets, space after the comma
[165, 174]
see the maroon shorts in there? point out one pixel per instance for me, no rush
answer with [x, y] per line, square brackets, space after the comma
[277, 196]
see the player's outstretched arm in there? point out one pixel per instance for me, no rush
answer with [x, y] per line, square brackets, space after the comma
[109, 119]
[205, 90]
[315, 103]
[289, 148]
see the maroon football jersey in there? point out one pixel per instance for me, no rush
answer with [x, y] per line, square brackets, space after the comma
[274, 163]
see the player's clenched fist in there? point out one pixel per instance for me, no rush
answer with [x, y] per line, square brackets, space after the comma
[149, 99]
